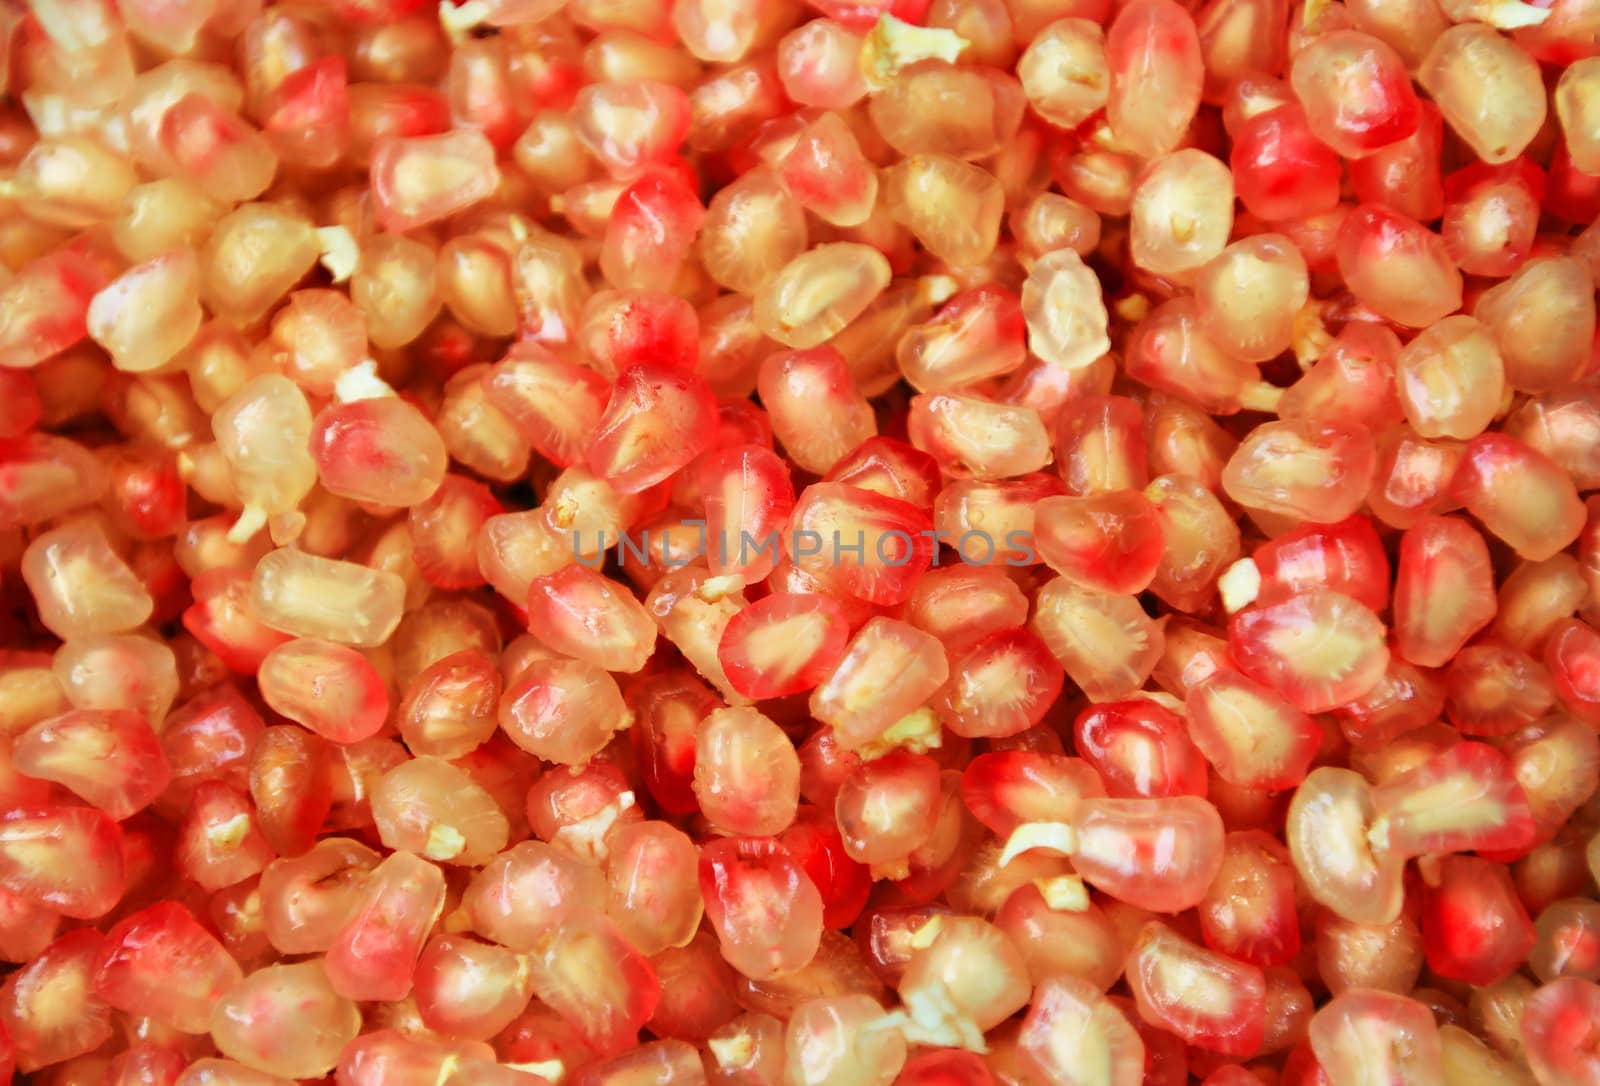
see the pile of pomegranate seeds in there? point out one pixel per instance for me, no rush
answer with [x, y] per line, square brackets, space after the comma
[800, 542]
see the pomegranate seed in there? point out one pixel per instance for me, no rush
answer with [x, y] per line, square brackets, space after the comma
[1462, 799]
[765, 910]
[1473, 927]
[1329, 837]
[1207, 999]
[1073, 1035]
[1432, 621]
[746, 773]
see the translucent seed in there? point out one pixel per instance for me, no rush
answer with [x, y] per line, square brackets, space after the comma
[1367, 1037]
[1303, 469]
[968, 434]
[1064, 71]
[1169, 351]
[1551, 294]
[80, 585]
[421, 180]
[817, 413]
[323, 598]
[1461, 799]
[978, 334]
[285, 1020]
[562, 710]
[818, 63]
[1004, 686]
[1125, 847]
[383, 451]
[752, 229]
[529, 890]
[49, 1007]
[1327, 834]
[1558, 425]
[653, 893]
[658, 420]
[765, 910]
[1520, 496]
[825, 170]
[147, 315]
[1318, 649]
[1065, 311]
[161, 963]
[918, 113]
[72, 182]
[1249, 296]
[889, 669]
[45, 305]
[589, 617]
[216, 150]
[374, 956]
[469, 989]
[1557, 1029]
[1355, 91]
[220, 843]
[109, 757]
[1444, 590]
[394, 287]
[1474, 928]
[820, 292]
[1252, 737]
[1182, 212]
[746, 773]
[1106, 643]
[1577, 94]
[829, 1040]
[1072, 1035]
[1156, 68]
[953, 208]
[253, 257]
[1208, 999]
[966, 980]
[1488, 89]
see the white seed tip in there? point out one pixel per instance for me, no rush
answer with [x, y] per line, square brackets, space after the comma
[460, 20]
[361, 382]
[931, 1017]
[340, 253]
[1163, 699]
[937, 289]
[1054, 837]
[713, 589]
[1064, 893]
[924, 936]
[228, 834]
[1513, 15]
[554, 1070]
[444, 843]
[1239, 585]
[894, 44]
[732, 1051]
[251, 519]
[918, 731]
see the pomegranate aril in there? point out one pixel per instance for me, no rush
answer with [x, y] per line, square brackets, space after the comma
[765, 910]
[49, 1008]
[1318, 649]
[746, 773]
[1474, 928]
[889, 669]
[111, 758]
[1074, 1036]
[1004, 686]
[285, 1020]
[1140, 749]
[1209, 1000]
[1444, 590]
[67, 859]
[1466, 798]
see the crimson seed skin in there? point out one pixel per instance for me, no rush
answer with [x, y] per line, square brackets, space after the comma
[845, 543]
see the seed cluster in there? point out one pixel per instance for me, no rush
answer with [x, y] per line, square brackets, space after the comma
[800, 542]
